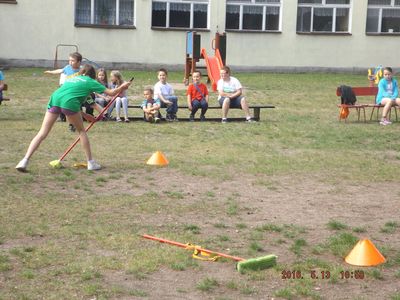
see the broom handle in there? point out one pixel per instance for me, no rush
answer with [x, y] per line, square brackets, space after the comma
[146, 236]
[90, 126]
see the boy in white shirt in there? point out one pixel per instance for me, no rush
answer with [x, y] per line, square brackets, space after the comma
[230, 94]
[165, 93]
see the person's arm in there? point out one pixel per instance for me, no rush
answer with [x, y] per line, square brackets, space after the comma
[162, 99]
[155, 106]
[117, 90]
[189, 102]
[143, 105]
[237, 93]
[158, 93]
[1, 85]
[220, 88]
[395, 90]
[97, 107]
[54, 72]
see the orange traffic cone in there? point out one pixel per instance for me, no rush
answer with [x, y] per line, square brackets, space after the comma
[158, 159]
[365, 254]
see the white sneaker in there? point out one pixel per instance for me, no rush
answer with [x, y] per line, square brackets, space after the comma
[93, 166]
[385, 122]
[22, 165]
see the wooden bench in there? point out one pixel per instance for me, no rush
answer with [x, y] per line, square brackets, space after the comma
[359, 107]
[5, 89]
[256, 112]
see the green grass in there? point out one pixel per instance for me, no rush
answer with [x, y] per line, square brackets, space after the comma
[72, 234]
[336, 225]
[341, 244]
[390, 227]
[207, 284]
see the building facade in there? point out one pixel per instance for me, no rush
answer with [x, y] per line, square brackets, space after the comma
[274, 35]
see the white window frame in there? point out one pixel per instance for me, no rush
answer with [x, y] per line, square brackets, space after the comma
[324, 5]
[192, 4]
[243, 3]
[381, 8]
[92, 15]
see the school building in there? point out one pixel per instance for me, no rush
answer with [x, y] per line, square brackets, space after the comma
[279, 35]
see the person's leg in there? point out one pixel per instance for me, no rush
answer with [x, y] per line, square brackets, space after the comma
[204, 107]
[174, 105]
[110, 109]
[101, 101]
[245, 107]
[124, 101]
[118, 108]
[195, 107]
[387, 105]
[47, 125]
[76, 120]
[173, 108]
[225, 102]
[149, 116]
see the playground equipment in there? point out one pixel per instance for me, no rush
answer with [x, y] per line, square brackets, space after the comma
[84, 59]
[375, 75]
[55, 66]
[213, 63]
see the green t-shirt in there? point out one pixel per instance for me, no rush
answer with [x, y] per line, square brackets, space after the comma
[74, 91]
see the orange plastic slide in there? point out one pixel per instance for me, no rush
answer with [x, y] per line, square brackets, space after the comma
[214, 65]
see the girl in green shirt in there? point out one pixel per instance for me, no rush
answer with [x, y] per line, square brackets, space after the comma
[68, 100]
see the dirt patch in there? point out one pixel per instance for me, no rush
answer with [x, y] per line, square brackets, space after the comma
[308, 204]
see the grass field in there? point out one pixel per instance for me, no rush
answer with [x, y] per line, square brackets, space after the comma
[298, 184]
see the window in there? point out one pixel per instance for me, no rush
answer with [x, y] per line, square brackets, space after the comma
[383, 16]
[254, 15]
[323, 16]
[104, 12]
[180, 14]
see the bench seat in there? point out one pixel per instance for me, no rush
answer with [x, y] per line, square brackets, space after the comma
[256, 111]
[360, 107]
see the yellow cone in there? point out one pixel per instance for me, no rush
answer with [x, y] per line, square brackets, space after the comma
[158, 159]
[365, 254]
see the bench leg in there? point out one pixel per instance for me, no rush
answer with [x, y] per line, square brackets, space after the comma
[372, 113]
[256, 113]
[365, 118]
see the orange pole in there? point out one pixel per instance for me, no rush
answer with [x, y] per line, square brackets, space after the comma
[161, 240]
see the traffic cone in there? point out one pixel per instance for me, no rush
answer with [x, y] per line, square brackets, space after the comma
[158, 159]
[365, 254]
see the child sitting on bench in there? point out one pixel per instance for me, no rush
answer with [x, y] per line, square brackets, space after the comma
[150, 106]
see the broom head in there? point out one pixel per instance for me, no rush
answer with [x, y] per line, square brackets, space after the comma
[259, 263]
[56, 164]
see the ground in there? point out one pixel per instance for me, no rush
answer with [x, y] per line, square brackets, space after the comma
[306, 203]
[303, 205]
[298, 184]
